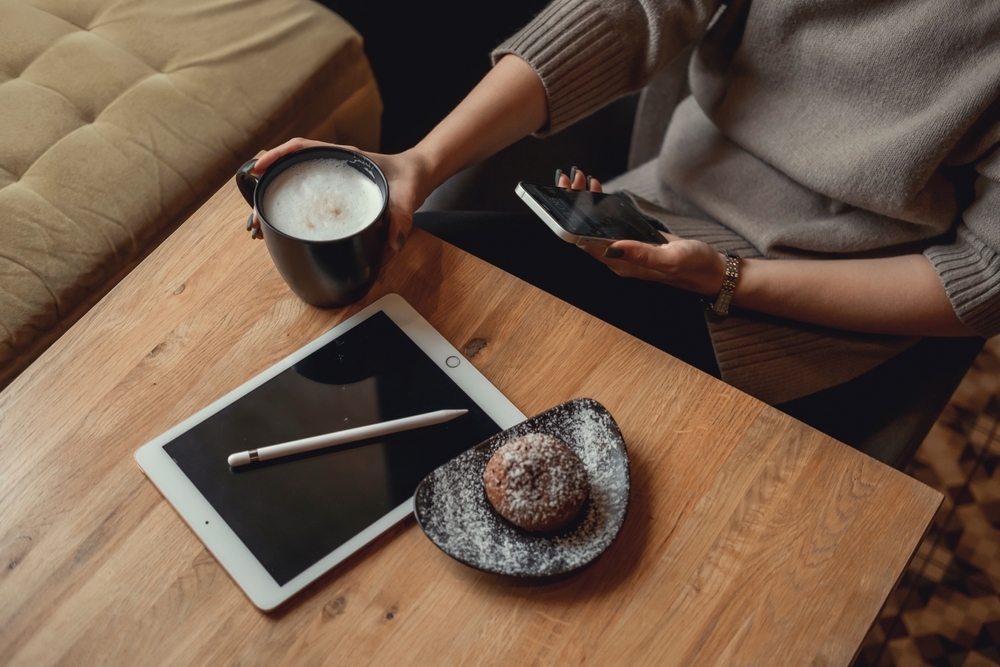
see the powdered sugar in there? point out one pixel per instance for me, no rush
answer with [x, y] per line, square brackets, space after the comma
[536, 482]
[452, 508]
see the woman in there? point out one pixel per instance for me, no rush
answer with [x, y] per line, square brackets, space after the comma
[854, 142]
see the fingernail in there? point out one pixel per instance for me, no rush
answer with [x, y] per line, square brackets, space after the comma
[612, 252]
[589, 179]
[400, 240]
[572, 175]
[558, 175]
[250, 222]
[254, 233]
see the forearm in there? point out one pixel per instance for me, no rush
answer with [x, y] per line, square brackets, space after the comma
[893, 295]
[507, 105]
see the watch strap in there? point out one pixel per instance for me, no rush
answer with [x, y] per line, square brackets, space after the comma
[721, 305]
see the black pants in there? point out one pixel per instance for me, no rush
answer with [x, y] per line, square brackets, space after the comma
[521, 244]
[885, 412]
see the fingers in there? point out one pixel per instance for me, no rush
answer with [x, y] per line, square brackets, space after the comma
[267, 158]
[685, 263]
[623, 264]
[400, 224]
[620, 252]
[577, 180]
[562, 180]
[253, 225]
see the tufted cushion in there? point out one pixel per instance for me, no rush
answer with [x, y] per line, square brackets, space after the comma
[118, 118]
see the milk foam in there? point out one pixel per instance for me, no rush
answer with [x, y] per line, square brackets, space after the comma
[321, 200]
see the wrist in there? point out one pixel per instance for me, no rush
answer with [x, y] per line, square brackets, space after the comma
[709, 280]
[427, 169]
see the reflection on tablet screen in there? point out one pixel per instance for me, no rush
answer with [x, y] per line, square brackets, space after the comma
[293, 511]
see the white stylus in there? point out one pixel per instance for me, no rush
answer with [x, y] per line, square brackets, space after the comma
[343, 437]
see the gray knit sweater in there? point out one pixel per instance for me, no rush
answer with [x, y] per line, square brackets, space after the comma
[814, 128]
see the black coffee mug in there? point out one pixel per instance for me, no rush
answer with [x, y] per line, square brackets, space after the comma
[330, 273]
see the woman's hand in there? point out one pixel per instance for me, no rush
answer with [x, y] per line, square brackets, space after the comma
[888, 295]
[406, 173]
[577, 180]
[682, 263]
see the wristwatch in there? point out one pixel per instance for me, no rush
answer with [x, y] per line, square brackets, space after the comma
[721, 305]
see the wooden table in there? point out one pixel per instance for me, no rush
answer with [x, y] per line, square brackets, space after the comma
[751, 539]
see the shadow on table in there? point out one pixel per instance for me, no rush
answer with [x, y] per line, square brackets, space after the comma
[602, 577]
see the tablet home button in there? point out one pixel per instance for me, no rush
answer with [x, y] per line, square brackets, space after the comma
[452, 361]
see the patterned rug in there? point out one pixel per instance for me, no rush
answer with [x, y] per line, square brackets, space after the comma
[945, 612]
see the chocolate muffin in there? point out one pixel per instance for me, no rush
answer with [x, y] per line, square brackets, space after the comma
[536, 482]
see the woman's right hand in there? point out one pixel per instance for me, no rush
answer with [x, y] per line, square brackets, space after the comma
[407, 174]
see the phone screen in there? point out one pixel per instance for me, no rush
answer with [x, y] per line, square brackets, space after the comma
[584, 213]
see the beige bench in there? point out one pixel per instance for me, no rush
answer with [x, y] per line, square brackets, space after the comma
[118, 118]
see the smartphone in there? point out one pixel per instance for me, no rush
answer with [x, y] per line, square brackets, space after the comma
[581, 216]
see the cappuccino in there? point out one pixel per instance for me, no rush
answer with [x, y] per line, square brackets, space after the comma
[321, 200]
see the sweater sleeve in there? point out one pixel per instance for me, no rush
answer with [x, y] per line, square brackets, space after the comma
[969, 267]
[590, 52]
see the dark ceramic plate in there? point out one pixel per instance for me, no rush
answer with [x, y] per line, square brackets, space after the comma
[451, 505]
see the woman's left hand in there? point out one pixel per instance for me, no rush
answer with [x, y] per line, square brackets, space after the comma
[683, 263]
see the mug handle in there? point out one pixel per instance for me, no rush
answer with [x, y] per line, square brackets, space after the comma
[245, 182]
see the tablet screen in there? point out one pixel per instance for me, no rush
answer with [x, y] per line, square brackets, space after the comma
[292, 512]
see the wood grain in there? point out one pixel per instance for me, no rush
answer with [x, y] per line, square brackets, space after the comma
[751, 539]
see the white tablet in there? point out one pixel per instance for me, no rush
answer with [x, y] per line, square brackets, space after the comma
[277, 525]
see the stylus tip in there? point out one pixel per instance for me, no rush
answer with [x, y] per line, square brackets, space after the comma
[240, 459]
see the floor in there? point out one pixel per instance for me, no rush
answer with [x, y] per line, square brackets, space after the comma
[945, 612]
